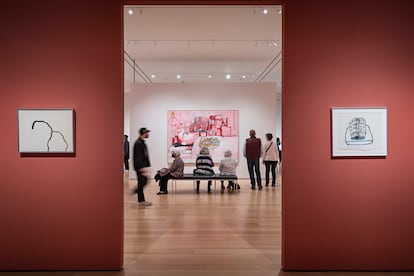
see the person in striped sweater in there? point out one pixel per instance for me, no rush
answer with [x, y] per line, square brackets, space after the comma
[204, 166]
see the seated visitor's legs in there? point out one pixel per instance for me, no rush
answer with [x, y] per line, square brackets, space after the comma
[222, 186]
[231, 185]
[198, 185]
[164, 184]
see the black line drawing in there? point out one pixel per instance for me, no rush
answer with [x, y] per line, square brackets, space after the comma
[51, 134]
[358, 132]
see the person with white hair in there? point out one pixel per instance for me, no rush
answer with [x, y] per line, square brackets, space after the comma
[175, 170]
[228, 167]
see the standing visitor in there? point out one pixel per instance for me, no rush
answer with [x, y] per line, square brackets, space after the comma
[279, 149]
[141, 165]
[126, 153]
[253, 151]
[270, 158]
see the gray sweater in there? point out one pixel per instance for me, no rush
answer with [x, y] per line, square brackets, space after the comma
[228, 166]
[177, 167]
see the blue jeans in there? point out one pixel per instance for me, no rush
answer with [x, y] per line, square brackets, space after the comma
[254, 164]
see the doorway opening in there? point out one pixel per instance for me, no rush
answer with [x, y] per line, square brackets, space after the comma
[199, 59]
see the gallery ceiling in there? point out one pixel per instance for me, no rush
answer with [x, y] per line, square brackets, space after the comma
[203, 43]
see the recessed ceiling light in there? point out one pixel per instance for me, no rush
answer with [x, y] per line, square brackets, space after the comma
[130, 12]
[209, 76]
[152, 76]
[228, 76]
[265, 11]
[178, 76]
[244, 76]
[280, 11]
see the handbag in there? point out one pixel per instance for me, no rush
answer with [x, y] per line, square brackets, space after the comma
[163, 171]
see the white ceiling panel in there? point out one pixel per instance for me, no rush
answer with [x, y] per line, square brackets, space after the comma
[196, 42]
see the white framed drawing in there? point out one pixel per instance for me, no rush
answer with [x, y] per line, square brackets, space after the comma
[46, 130]
[359, 131]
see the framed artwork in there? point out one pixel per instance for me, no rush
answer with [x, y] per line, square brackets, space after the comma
[46, 130]
[190, 130]
[359, 131]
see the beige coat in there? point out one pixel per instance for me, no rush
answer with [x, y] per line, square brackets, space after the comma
[271, 153]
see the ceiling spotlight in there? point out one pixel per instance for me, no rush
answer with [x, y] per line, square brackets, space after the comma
[178, 76]
[265, 11]
[244, 76]
[209, 76]
[280, 11]
[152, 76]
[130, 12]
[228, 76]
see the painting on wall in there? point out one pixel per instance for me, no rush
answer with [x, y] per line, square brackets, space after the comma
[45, 130]
[359, 132]
[190, 130]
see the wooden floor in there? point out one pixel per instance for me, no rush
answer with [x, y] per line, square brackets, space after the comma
[185, 233]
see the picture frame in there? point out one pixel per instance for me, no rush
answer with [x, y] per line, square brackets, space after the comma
[359, 131]
[46, 131]
[189, 130]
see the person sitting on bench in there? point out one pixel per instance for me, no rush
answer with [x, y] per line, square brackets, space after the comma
[204, 166]
[228, 167]
[176, 170]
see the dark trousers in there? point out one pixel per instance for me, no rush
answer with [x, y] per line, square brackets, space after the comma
[142, 181]
[254, 166]
[231, 184]
[164, 182]
[126, 162]
[198, 185]
[270, 166]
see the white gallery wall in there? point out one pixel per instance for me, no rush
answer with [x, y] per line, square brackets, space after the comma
[147, 104]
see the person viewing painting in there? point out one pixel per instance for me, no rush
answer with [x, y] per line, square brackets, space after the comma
[252, 152]
[270, 158]
[204, 166]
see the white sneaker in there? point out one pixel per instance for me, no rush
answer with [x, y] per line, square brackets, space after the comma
[144, 203]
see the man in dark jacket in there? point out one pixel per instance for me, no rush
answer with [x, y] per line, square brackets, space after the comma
[126, 152]
[253, 151]
[141, 165]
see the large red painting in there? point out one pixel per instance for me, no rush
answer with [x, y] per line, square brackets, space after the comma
[190, 130]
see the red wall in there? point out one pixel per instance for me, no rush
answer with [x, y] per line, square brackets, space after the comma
[347, 214]
[66, 213]
[62, 212]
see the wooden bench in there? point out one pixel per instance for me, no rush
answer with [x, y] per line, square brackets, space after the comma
[194, 178]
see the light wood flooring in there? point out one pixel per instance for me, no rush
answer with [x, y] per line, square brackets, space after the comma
[185, 233]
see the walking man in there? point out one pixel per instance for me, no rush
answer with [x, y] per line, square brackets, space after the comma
[141, 165]
[253, 151]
